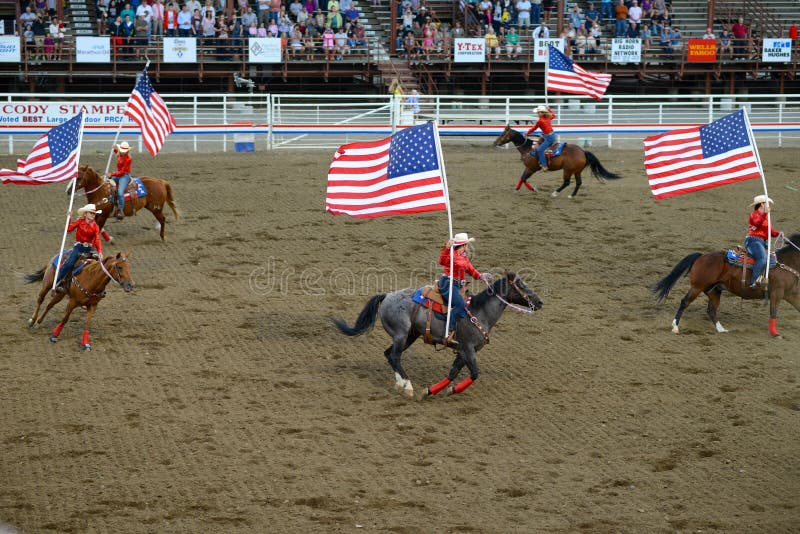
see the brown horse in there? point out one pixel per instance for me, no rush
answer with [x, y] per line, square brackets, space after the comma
[86, 289]
[572, 160]
[99, 192]
[710, 273]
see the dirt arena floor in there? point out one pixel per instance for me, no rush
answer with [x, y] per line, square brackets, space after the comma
[218, 397]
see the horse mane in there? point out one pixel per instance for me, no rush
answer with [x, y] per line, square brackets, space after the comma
[519, 140]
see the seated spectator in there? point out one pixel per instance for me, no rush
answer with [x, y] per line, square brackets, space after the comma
[352, 14]
[302, 17]
[262, 31]
[410, 47]
[646, 35]
[633, 31]
[709, 34]
[328, 43]
[666, 40]
[428, 37]
[294, 8]
[576, 18]
[272, 29]
[342, 48]
[285, 25]
[677, 39]
[541, 31]
[492, 43]
[513, 48]
[581, 43]
[57, 37]
[335, 19]
[647, 9]
[360, 34]
[725, 44]
[408, 17]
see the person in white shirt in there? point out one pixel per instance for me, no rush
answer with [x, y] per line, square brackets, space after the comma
[635, 13]
[185, 21]
[541, 32]
[709, 34]
[523, 13]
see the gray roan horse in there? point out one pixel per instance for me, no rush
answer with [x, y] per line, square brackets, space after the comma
[398, 317]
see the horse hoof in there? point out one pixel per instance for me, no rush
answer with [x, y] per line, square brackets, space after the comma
[450, 390]
[86, 348]
[53, 339]
[570, 196]
[554, 194]
[30, 322]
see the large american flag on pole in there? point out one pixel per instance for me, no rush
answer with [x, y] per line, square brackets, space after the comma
[148, 110]
[397, 175]
[54, 157]
[566, 76]
[690, 159]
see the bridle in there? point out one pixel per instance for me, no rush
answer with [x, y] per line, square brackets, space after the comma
[531, 307]
[118, 279]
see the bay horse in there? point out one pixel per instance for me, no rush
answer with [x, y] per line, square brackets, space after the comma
[86, 289]
[710, 273]
[405, 321]
[98, 192]
[572, 160]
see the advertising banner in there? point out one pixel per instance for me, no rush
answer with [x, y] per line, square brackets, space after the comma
[180, 50]
[92, 50]
[265, 50]
[10, 49]
[469, 50]
[701, 51]
[777, 51]
[626, 50]
[54, 113]
[540, 48]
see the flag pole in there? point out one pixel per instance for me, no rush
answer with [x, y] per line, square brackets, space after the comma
[71, 200]
[547, 74]
[449, 222]
[766, 193]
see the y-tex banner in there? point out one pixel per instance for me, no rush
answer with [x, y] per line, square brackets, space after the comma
[469, 50]
[55, 113]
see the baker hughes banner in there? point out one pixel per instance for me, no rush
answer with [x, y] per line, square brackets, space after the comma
[701, 51]
[469, 50]
[180, 50]
[777, 51]
[92, 50]
[265, 50]
[10, 51]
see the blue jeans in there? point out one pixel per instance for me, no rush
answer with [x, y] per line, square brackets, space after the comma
[459, 306]
[536, 14]
[77, 250]
[621, 28]
[548, 140]
[122, 185]
[605, 11]
[757, 248]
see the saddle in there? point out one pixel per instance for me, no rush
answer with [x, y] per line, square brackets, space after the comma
[134, 190]
[550, 152]
[430, 298]
[82, 261]
[737, 256]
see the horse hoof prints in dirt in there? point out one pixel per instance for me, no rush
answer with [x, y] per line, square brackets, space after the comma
[405, 320]
[572, 160]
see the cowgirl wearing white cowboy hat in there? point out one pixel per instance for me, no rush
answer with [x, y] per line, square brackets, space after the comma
[756, 240]
[87, 235]
[461, 267]
[546, 117]
[122, 176]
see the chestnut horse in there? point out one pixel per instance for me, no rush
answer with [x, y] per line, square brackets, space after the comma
[86, 289]
[98, 192]
[572, 160]
[710, 273]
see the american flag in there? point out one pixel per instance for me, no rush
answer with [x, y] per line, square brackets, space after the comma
[54, 157]
[691, 159]
[148, 110]
[396, 175]
[566, 76]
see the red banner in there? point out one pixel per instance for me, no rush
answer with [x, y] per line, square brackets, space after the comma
[702, 51]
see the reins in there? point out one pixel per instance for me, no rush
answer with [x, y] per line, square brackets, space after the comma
[530, 309]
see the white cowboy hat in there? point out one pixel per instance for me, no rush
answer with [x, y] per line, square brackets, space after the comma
[462, 239]
[761, 199]
[90, 208]
[540, 109]
[123, 147]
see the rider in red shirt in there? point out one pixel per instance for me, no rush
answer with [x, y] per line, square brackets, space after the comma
[461, 267]
[87, 235]
[756, 240]
[122, 176]
[546, 116]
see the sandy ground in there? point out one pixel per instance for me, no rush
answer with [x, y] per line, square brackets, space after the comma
[218, 398]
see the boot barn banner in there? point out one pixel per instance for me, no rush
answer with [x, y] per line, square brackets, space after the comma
[701, 51]
[540, 48]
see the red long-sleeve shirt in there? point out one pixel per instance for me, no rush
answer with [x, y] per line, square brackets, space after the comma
[758, 225]
[86, 232]
[123, 165]
[461, 264]
[544, 124]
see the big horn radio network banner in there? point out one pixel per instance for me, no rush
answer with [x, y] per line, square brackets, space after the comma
[701, 51]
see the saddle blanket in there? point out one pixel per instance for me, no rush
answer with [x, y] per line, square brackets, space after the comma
[438, 309]
[63, 257]
[140, 190]
[559, 147]
[735, 259]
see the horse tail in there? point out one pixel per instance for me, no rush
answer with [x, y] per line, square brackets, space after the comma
[366, 319]
[662, 288]
[38, 276]
[597, 168]
[171, 200]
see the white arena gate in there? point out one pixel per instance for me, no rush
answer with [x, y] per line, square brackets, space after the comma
[217, 122]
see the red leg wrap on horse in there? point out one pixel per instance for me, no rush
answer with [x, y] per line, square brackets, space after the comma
[464, 384]
[519, 184]
[529, 186]
[439, 386]
[105, 235]
[773, 327]
[57, 329]
[85, 337]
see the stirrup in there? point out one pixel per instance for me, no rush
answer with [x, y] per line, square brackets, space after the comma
[450, 340]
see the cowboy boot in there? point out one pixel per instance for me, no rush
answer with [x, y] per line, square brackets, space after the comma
[119, 212]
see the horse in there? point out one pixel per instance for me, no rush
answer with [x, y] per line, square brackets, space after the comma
[404, 321]
[572, 160]
[710, 273]
[98, 191]
[87, 289]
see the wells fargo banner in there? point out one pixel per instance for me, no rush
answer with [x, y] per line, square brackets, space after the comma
[701, 51]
